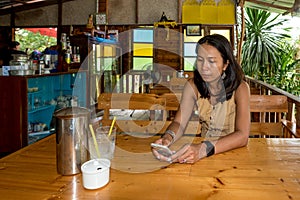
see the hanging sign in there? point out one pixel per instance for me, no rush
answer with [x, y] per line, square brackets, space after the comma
[209, 12]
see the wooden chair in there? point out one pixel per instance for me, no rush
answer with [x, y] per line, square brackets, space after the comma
[152, 102]
[290, 129]
[267, 112]
[177, 84]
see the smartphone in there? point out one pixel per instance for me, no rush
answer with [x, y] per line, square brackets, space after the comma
[161, 149]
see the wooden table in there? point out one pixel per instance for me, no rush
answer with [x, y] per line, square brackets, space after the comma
[265, 169]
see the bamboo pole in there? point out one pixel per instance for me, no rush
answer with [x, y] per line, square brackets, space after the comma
[240, 42]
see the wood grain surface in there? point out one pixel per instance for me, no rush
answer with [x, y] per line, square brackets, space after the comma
[268, 168]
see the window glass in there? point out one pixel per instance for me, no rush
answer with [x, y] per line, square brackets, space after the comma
[142, 49]
[189, 53]
[143, 35]
[106, 64]
[140, 62]
[225, 33]
[189, 63]
[109, 51]
[189, 49]
[190, 42]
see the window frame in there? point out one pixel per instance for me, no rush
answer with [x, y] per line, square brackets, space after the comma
[140, 42]
[205, 30]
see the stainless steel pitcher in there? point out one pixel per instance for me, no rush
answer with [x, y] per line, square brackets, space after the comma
[71, 139]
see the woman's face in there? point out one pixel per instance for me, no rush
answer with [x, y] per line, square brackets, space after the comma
[210, 63]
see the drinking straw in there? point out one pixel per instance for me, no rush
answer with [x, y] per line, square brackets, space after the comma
[95, 141]
[112, 125]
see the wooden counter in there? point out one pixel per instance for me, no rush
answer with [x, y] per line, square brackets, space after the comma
[265, 169]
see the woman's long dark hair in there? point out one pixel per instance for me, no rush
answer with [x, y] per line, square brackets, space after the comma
[234, 72]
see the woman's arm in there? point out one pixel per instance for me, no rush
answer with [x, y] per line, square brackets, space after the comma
[183, 114]
[239, 137]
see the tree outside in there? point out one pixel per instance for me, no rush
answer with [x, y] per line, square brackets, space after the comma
[269, 54]
[31, 41]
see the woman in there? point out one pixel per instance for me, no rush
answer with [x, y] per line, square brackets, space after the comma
[222, 97]
[13, 48]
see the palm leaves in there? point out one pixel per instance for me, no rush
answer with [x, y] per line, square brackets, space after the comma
[266, 53]
[262, 45]
[286, 76]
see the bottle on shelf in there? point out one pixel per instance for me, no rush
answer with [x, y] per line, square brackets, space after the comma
[41, 66]
[78, 54]
[63, 41]
[68, 51]
[75, 54]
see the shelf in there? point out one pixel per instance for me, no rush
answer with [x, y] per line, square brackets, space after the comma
[42, 114]
[41, 108]
[36, 136]
[63, 89]
[38, 133]
[34, 93]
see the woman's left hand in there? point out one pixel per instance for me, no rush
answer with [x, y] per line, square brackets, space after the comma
[189, 153]
[165, 142]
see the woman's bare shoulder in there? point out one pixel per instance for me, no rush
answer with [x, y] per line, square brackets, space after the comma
[190, 88]
[243, 87]
[243, 91]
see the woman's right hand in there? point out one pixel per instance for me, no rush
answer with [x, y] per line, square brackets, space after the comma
[189, 153]
[166, 140]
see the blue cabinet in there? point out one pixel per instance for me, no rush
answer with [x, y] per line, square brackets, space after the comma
[49, 93]
[28, 103]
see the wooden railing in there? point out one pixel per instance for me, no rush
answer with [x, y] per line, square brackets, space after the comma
[293, 115]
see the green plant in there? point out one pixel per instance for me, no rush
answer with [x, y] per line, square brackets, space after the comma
[285, 75]
[262, 43]
[267, 54]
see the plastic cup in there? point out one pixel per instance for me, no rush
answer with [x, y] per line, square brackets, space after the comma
[105, 142]
[95, 173]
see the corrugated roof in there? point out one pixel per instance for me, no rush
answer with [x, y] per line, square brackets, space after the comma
[12, 6]
[286, 7]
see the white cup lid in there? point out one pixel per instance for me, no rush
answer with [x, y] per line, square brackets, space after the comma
[95, 166]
